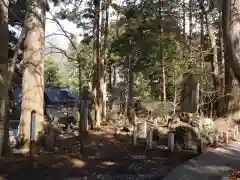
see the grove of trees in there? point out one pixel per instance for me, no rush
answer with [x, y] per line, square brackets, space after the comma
[150, 44]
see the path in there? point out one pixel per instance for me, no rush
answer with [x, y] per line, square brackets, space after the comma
[212, 165]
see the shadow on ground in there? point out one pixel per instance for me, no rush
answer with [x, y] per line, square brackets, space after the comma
[106, 157]
[212, 165]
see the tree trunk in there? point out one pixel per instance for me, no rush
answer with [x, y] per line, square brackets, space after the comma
[33, 72]
[190, 38]
[163, 94]
[4, 130]
[184, 27]
[105, 47]
[221, 99]
[100, 64]
[231, 38]
[130, 89]
[114, 76]
[190, 21]
[184, 20]
[231, 28]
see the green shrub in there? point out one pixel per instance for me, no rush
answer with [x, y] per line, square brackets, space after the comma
[21, 142]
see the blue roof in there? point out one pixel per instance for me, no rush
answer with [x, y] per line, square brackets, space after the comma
[54, 95]
[61, 94]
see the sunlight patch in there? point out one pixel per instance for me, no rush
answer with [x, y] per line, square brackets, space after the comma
[108, 163]
[78, 163]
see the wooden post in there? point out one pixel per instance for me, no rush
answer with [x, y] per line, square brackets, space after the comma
[85, 123]
[149, 139]
[171, 141]
[215, 140]
[201, 146]
[135, 136]
[236, 130]
[225, 137]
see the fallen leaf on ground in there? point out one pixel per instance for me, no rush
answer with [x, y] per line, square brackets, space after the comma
[234, 174]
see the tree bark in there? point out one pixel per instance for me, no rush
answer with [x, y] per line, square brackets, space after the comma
[105, 47]
[190, 22]
[184, 27]
[4, 130]
[163, 94]
[184, 20]
[99, 63]
[231, 28]
[33, 72]
[130, 89]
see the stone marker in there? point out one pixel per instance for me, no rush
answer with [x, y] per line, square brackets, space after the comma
[190, 94]
[135, 136]
[149, 138]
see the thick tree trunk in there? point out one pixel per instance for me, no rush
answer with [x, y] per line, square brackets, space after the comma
[100, 64]
[215, 67]
[163, 94]
[102, 57]
[105, 48]
[231, 28]
[4, 130]
[231, 37]
[33, 73]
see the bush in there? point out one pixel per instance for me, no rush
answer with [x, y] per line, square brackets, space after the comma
[21, 142]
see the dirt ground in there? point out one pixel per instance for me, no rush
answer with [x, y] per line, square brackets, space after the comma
[106, 157]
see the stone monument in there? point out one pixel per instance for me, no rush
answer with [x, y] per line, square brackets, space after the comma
[189, 101]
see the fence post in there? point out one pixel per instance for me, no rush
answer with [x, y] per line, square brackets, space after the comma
[135, 133]
[86, 109]
[145, 129]
[171, 141]
[150, 138]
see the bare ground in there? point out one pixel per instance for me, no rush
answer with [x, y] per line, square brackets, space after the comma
[106, 157]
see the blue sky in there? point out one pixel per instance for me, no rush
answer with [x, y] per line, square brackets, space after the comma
[53, 28]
